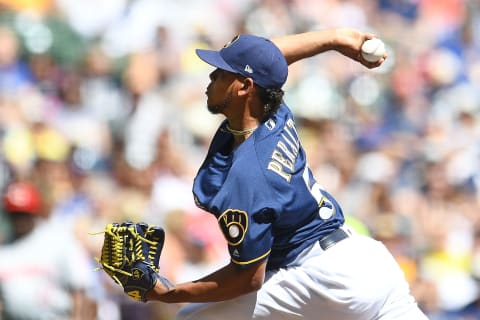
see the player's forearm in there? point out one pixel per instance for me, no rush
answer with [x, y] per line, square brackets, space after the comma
[347, 41]
[224, 284]
[201, 291]
[303, 45]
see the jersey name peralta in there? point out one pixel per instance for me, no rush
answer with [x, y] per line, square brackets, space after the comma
[263, 194]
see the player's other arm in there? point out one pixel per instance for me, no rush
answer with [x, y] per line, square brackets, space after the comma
[226, 283]
[344, 40]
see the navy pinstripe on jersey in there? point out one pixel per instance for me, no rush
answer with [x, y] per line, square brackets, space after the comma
[267, 203]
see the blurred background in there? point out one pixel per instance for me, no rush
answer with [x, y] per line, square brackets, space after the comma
[103, 118]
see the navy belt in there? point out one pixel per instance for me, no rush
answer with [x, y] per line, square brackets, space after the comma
[333, 238]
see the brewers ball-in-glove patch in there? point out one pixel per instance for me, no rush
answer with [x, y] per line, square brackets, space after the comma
[130, 256]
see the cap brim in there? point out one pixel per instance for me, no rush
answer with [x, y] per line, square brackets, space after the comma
[214, 58]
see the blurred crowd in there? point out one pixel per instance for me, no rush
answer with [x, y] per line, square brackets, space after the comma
[102, 112]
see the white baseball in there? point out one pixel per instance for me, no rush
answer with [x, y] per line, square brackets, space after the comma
[373, 49]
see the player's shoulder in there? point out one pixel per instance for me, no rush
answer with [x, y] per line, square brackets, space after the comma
[271, 129]
[278, 143]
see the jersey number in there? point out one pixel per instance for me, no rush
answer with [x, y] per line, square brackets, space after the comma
[326, 210]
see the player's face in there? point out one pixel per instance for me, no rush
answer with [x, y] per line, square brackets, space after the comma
[219, 91]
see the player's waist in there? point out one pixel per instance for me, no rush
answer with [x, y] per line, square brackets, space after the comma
[324, 243]
[334, 237]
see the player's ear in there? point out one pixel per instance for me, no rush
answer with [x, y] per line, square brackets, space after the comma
[247, 86]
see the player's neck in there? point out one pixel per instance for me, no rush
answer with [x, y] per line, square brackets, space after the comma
[241, 133]
[242, 129]
[238, 140]
[242, 124]
[244, 120]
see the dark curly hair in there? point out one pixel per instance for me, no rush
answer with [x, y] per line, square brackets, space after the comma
[271, 99]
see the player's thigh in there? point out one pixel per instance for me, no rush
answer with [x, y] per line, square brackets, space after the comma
[302, 293]
[351, 280]
[383, 281]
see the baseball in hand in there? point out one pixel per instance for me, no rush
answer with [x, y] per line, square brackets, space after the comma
[373, 50]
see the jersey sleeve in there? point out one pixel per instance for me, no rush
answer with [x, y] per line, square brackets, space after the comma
[248, 241]
[247, 227]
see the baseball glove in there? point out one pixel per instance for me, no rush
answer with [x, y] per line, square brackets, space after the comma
[130, 256]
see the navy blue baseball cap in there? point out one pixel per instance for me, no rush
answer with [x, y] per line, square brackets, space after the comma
[252, 57]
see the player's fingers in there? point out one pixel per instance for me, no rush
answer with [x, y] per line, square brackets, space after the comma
[369, 35]
[372, 65]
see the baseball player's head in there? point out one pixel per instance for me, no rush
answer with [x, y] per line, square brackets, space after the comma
[252, 57]
[256, 58]
[22, 202]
